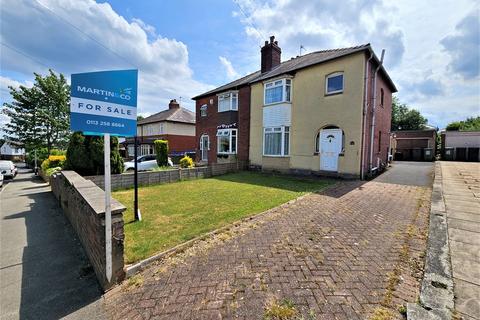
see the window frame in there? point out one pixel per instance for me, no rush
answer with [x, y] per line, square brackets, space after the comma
[228, 95]
[284, 131]
[284, 85]
[203, 110]
[333, 75]
[231, 137]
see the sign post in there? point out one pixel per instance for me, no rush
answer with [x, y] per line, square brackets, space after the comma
[105, 103]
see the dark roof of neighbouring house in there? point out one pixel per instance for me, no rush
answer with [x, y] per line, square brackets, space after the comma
[298, 63]
[173, 115]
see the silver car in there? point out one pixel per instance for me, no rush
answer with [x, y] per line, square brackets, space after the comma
[8, 169]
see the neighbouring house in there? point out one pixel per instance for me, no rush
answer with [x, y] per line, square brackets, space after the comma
[11, 150]
[311, 114]
[414, 145]
[176, 125]
[460, 145]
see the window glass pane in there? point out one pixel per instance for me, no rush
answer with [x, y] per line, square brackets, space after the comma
[273, 95]
[273, 143]
[223, 103]
[224, 144]
[335, 83]
[287, 92]
[234, 142]
[234, 102]
[286, 142]
[278, 83]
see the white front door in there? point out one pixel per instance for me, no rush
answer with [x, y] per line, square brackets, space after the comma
[330, 148]
[204, 142]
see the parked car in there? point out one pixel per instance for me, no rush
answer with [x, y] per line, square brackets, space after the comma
[146, 162]
[8, 169]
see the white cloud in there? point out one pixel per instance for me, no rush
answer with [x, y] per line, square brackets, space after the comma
[409, 30]
[164, 72]
[227, 64]
[149, 29]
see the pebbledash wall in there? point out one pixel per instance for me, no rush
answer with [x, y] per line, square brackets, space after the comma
[123, 181]
[83, 203]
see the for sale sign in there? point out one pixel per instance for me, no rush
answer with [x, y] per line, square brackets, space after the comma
[104, 102]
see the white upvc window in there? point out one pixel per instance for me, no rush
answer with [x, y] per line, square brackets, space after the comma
[278, 91]
[276, 141]
[227, 141]
[203, 110]
[334, 83]
[228, 102]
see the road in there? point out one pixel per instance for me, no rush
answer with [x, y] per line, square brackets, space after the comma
[44, 273]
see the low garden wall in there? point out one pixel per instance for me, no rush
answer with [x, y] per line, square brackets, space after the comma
[83, 203]
[125, 180]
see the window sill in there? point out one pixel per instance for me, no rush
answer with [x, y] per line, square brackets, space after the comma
[276, 156]
[333, 93]
[275, 103]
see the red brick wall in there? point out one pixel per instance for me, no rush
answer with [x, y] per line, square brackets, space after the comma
[176, 143]
[208, 125]
[383, 118]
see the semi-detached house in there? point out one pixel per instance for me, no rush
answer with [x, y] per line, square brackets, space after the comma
[326, 112]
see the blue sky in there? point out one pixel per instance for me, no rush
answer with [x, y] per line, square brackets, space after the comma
[185, 47]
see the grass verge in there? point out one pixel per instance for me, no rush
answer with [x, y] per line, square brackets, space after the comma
[177, 212]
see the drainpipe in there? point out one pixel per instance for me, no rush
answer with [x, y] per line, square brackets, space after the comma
[365, 101]
[374, 104]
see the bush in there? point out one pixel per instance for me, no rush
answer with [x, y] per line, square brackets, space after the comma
[161, 151]
[186, 162]
[42, 154]
[85, 155]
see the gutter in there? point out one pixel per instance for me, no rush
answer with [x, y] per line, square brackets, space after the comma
[365, 102]
[372, 132]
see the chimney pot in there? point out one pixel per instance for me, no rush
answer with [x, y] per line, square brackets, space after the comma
[272, 38]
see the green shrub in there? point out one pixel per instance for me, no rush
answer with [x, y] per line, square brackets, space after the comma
[85, 155]
[186, 162]
[42, 154]
[161, 151]
[51, 171]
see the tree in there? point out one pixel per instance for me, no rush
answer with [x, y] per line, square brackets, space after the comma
[161, 150]
[404, 118]
[469, 124]
[85, 155]
[140, 118]
[39, 116]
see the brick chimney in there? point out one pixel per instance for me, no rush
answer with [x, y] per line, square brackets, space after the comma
[271, 55]
[173, 104]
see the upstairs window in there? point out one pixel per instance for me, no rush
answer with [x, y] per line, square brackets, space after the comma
[227, 141]
[278, 91]
[203, 110]
[228, 102]
[334, 83]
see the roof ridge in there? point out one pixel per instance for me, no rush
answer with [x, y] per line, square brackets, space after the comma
[336, 49]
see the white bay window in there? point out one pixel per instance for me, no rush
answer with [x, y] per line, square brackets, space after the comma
[276, 141]
[278, 91]
[227, 141]
[228, 102]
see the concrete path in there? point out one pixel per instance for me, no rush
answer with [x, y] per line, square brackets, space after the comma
[461, 189]
[346, 253]
[44, 273]
[409, 173]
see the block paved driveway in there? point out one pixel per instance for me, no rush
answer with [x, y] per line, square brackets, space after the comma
[341, 254]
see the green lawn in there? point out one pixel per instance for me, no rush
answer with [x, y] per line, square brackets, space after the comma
[176, 212]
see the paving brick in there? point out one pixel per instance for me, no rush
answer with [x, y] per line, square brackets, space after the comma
[330, 254]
